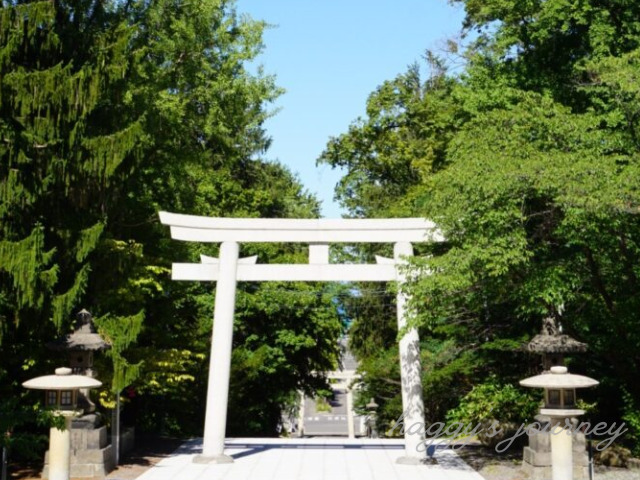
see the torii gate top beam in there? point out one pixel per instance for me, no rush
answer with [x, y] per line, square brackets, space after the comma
[287, 230]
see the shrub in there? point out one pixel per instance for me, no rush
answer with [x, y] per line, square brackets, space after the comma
[631, 416]
[505, 406]
[614, 456]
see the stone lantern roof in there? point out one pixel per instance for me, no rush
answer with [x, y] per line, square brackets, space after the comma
[62, 380]
[550, 340]
[84, 338]
[560, 380]
[558, 377]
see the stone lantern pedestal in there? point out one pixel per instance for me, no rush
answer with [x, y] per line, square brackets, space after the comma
[537, 459]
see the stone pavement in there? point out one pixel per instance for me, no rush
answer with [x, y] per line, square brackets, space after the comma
[310, 459]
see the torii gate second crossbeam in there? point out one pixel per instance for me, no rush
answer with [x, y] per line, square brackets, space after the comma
[228, 269]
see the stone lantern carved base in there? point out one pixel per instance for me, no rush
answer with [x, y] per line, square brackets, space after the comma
[537, 456]
[91, 455]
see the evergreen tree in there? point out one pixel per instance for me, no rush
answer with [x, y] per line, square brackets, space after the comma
[60, 151]
[109, 112]
[63, 67]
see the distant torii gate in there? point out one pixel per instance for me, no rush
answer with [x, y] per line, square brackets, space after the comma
[318, 233]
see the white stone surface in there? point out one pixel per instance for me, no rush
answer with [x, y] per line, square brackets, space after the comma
[319, 253]
[410, 369]
[62, 380]
[210, 272]
[220, 359]
[561, 454]
[314, 230]
[226, 223]
[60, 451]
[351, 428]
[303, 236]
[558, 377]
[213, 260]
[310, 459]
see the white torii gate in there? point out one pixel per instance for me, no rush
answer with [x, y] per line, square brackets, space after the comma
[229, 269]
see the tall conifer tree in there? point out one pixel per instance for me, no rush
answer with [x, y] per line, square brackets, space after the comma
[62, 65]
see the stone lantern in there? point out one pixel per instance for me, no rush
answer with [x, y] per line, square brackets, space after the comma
[92, 456]
[61, 393]
[552, 345]
[80, 347]
[560, 407]
[372, 407]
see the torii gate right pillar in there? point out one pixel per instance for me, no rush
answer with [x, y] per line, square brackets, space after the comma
[410, 369]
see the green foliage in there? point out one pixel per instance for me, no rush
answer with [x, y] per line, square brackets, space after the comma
[322, 405]
[532, 177]
[495, 411]
[446, 375]
[286, 337]
[59, 155]
[120, 332]
[56, 161]
[614, 456]
[29, 268]
[373, 315]
[398, 146]
[109, 112]
[542, 46]
[492, 400]
[631, 417]
[171, 381]
[21, 420]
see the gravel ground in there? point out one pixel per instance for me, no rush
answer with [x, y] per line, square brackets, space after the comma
[508, 465]
[148, 452]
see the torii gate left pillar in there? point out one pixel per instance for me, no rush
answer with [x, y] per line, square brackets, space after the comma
[229, 269]
[215, 421]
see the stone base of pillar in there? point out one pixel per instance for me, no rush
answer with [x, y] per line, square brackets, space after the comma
[545, 473]
[212, 459]
[536, 461]
[405, 460]
[91, 457]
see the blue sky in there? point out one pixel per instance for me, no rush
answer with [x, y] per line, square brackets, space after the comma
[329, 55]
